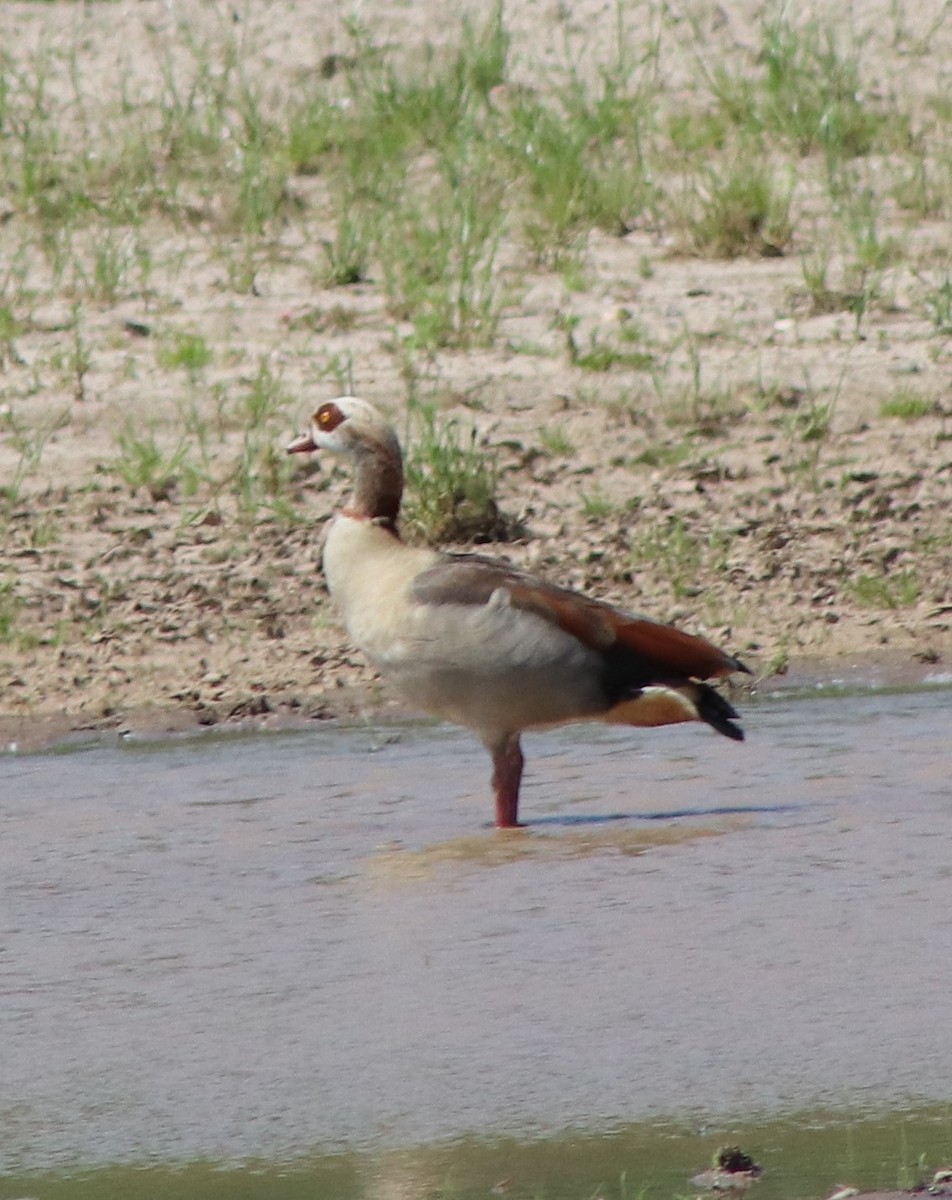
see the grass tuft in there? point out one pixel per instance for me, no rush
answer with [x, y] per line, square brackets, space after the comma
[144, 462]
[681, 556]
[451, 482]
[899, 589]
[809, 91]
[741, 208]
[907, 405]
[188, 351]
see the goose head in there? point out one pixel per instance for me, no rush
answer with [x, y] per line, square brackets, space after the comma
[348, 426]
[358, 431]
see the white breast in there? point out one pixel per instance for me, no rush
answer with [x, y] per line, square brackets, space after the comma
[369, 573]
[489, 666]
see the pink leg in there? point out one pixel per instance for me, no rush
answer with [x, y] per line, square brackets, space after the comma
[507, 773]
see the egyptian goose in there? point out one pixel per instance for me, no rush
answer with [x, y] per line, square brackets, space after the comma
[469, 639]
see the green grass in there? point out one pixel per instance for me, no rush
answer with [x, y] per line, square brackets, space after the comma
[668, 454]
[348, 254]
[440, 267]
[9, 329]
[116, 265]
[596, 507]
[703, 408]
[907, 405]
[451, 481]
[425, 167]
[230, 459]
[671, 548]
[938, 306]
[443, 177]
[29, 439]
[261, 478]
[599, 355]
[555, 441]
[189, 352]
[809, 90]
[812, 422]
[10, 606]
[580, 161]
[900, 589]
[821, 295]
[145, 462]
[738, 207]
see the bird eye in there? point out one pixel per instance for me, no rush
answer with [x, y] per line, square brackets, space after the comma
[328, 417]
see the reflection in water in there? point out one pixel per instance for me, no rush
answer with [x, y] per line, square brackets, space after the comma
[233, 947]
[500, 847]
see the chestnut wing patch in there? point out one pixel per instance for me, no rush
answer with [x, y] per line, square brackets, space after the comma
[674, 651]
[637, 652]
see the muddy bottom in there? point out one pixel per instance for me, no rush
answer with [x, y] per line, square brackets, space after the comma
[252, 947]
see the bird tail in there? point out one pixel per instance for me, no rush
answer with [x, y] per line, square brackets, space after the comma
[717, 712]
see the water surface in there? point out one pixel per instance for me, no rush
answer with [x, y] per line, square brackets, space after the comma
[235, 948]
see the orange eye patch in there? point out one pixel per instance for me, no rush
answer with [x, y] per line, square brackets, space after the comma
[328, 417]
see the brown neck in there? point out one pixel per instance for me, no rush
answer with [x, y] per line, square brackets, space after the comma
[378, 487]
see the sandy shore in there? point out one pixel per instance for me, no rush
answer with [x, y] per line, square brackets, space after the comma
[772, 475]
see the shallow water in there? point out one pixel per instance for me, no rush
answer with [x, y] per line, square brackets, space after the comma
[238, 947]
[803, 1157]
